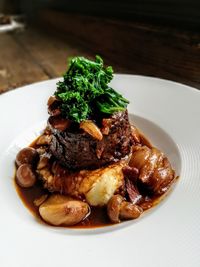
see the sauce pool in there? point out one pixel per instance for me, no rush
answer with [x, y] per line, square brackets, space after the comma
[98, 216]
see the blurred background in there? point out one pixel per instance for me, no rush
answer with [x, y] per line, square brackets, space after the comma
[159, 38]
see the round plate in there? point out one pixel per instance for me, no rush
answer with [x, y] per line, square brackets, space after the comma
[168, 235]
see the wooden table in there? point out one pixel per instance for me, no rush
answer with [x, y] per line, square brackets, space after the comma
[34, 55]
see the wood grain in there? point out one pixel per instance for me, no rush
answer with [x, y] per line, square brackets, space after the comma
[48, 50]
[139, 48]
[16, 66]
[41, 53]
[31, 56]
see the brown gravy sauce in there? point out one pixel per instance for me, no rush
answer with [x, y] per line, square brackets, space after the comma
[98, 216]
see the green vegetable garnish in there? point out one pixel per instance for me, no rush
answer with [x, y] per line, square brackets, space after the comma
[85, 91]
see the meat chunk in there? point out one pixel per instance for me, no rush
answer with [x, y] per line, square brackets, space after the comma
[79, 150]
[132, 191]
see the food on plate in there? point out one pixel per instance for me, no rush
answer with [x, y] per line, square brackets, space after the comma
[63, 210]
[90, 166]
[97, 148]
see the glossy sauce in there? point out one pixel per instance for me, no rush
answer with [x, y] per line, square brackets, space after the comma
[98, 216]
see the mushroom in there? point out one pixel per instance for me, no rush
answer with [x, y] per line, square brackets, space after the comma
[25, 177]
[129, 211]
[27, 155]
[118, 209]
[113, 208]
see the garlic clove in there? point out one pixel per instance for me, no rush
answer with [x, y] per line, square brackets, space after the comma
[63, 210]
[92, 129]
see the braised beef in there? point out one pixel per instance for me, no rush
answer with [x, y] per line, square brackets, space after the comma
[79, 150]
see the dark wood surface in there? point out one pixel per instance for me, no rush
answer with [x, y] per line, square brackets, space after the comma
[33, 54]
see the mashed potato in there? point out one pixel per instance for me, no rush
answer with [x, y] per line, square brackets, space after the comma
[100, 185]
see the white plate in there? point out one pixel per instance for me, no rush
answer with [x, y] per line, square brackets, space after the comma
[168, 235]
